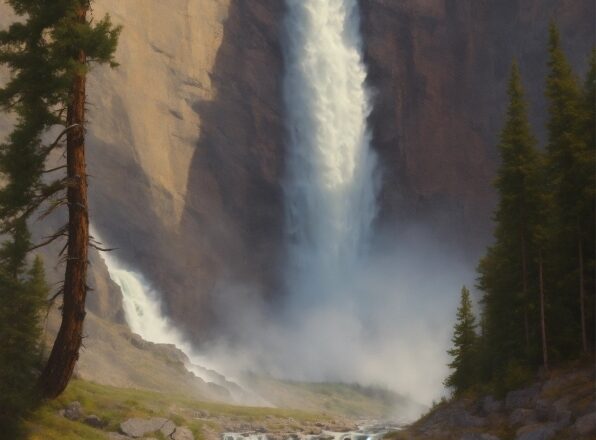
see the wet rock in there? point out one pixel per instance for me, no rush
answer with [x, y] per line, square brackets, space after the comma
[536, 432]
[525, 398]
[137, 428]
[182, 433]
[74, 411]
[586, 424]
[522, 416]
[94, 421]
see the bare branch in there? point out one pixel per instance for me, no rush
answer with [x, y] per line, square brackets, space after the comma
[100, 249]
[51, 170]
[60, 233]
[47, 150]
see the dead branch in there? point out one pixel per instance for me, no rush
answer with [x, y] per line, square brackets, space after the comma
[60, 233]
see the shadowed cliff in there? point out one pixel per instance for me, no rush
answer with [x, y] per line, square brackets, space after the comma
[438, 70]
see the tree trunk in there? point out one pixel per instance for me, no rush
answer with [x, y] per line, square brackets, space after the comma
[525, 287]
[542, 318]
[65, 351]
[581, 294]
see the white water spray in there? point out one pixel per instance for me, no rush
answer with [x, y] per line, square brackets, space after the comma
[142, 311]
[330, 190]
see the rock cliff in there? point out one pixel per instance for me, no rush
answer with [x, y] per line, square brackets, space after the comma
[186, 142]
[438, 69]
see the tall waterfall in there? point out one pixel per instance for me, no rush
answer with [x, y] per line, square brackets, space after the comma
[330, 186]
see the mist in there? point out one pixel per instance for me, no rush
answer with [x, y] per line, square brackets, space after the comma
[389, 326]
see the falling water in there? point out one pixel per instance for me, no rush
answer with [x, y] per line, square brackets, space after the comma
[142, 309]
[330, 186]
[143, 314]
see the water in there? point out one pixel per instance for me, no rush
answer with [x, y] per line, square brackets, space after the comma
[144, 316]
[142, 308]
[330, 185]
[375, 432]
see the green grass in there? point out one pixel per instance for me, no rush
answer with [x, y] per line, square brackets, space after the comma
[114, 405]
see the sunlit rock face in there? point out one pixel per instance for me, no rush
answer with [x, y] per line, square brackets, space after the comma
[186, 138]
[185, 147]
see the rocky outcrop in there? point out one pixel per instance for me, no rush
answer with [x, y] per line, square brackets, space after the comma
[562, 405]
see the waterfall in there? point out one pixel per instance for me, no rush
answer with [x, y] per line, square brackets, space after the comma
[330, 190]
[142, 311]
[142, 308]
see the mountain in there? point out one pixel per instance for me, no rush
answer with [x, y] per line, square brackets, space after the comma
[186, 138]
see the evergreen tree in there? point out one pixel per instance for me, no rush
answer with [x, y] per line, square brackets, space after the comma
[49, 53]
[509, 273]
[588, 195]
[570, 175]
[21, 302]
[464, 351]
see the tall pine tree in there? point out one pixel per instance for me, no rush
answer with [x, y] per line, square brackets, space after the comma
[570, 175]
[509, 273]
[49, 53]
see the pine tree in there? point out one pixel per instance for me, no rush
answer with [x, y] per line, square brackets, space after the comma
[588, 196]
[570, 176]
[22, 299]
[49, 53]
[509, 274]
[464, 351]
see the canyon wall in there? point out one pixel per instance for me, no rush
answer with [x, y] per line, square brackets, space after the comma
[186, 138]
[438, 69]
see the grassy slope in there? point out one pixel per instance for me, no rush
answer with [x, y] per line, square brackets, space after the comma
[115, 405]
[350, 400]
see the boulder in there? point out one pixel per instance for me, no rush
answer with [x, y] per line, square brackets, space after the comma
[182, 433]
[453, 417]
[536, 432]
[489, 405]
[168, 428]
[522, 417]
[74, 411]
[544, 411]
[117, 436]
[524, 398]
[94, 421]
[586, 425]
[137, 428]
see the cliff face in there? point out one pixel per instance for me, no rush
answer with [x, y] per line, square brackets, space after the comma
[438, 69]
[186, 142]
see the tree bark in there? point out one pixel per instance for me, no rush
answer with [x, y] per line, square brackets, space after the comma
[542, 317]
[581, 294]
[65, 351]
[525, 287]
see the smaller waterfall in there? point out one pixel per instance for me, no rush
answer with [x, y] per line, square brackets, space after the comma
[142, 311]
[142, 308]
